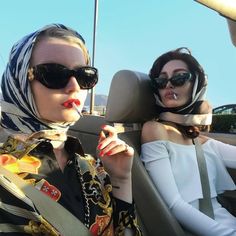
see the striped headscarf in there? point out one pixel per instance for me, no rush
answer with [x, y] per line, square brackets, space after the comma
[18, 110]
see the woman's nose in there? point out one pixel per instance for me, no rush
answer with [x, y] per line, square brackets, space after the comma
[169, 84]
[72, 85]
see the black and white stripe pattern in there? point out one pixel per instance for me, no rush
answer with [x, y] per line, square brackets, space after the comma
[19, 113]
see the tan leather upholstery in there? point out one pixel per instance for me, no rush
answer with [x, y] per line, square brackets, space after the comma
[226, 9]
[87, 129]
[131, 100]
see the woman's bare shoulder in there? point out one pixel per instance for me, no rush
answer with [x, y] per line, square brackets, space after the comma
[203, 138]
[153, 130]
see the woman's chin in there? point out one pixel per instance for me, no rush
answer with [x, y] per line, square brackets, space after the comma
[66, 119]
[72, 119]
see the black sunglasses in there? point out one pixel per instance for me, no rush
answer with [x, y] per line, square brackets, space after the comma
[56, 76]
[176, 80]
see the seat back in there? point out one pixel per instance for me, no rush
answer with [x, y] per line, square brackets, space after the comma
[130, 98]
[87, 129]
[131, 101]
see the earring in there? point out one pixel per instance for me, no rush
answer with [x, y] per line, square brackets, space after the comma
[30, 74]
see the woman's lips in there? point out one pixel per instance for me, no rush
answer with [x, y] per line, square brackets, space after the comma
[69, 103]
[171, 95]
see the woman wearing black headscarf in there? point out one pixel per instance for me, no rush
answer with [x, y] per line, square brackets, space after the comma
[169, 146]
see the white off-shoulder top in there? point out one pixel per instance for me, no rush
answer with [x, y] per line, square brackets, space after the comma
[174, 170]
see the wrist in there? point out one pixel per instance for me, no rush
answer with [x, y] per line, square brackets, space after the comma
[121, 182]
[122, 189]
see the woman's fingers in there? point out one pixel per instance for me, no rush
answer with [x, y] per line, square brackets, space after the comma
[112, 148]
[109, 130]
[109, 143]
[116, 147]
[102, 136]
[122, 148]
[107, 135]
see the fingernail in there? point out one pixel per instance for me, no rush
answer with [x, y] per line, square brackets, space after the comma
[101, 154]
[99, 146]
[109, 153]
[103, 126]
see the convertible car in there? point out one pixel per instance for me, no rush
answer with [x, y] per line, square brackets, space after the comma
[127, 112]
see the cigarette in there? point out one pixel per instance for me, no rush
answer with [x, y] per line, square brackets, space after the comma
[77, 109]
[174, 96]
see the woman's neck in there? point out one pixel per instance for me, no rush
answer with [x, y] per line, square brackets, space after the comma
[60, 154]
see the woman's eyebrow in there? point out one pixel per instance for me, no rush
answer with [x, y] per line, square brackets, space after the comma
[180, 69]
[78, 66]
[163, 73]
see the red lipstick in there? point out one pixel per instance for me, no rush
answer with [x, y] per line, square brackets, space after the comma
[73, 103]
[69, 103]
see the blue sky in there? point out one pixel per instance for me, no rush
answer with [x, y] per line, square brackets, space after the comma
[131, 34]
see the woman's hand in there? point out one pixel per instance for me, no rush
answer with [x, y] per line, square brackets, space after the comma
[117, 159]
[116, 155]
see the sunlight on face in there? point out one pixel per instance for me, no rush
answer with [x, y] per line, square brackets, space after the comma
[175, 96]
[50, 102]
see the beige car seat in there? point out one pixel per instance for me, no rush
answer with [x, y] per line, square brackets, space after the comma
[131, 102]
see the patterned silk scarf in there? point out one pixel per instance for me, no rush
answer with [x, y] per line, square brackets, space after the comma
[18, 109]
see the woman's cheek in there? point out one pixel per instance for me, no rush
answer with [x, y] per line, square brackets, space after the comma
[82, 96]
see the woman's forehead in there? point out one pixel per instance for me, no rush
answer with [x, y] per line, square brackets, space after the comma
[59, 51]
[175, 65]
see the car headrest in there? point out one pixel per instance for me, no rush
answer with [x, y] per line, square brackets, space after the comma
[130, 98]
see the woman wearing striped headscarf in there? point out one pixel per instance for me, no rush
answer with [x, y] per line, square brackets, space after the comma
[44, 88]
[169, 146]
